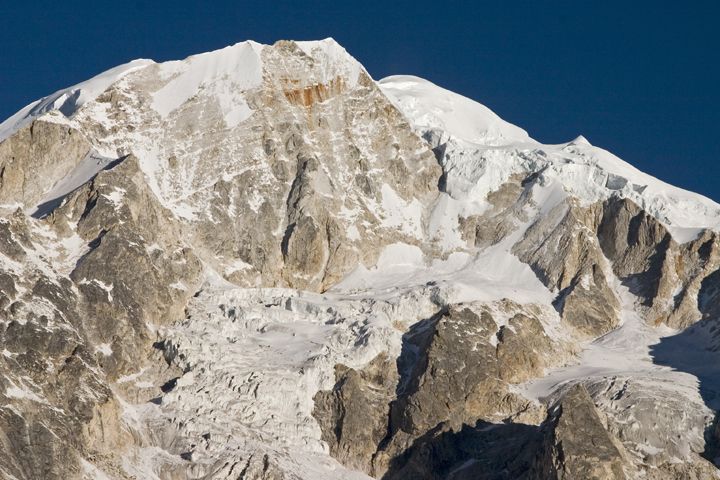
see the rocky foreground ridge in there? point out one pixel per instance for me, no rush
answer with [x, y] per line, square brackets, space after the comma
[260, 263]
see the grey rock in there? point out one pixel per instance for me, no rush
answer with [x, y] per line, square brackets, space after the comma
[353, 416]
[35, 158]
[576, 443]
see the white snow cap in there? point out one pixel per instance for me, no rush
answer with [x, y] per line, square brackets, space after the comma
[580, 140]
[430, 106]
[485, 151]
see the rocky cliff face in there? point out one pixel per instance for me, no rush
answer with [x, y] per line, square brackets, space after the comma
[260, 263]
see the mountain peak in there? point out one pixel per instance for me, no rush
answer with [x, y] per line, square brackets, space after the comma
[235, 68]
[580, 140]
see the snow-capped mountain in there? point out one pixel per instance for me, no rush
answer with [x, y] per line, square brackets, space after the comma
[260, 263]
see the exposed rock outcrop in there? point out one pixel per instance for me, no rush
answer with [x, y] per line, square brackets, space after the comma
[563, 250]
[576, 443]
[36, 157]
[354, 415]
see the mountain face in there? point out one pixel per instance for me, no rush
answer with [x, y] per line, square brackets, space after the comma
[260, 263]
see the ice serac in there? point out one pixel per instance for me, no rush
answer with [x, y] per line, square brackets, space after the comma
[259, 263]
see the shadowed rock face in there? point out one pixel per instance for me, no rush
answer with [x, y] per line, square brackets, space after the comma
[190, 288]
[353, 416]
[571, 443]
[455, 370]
[576, 443]
[667, 276]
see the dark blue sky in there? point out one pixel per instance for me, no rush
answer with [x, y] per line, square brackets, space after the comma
[638, 78]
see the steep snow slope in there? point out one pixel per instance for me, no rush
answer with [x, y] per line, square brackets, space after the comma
[68, 100]
[240, 63]
[489, 150]
[431, 107]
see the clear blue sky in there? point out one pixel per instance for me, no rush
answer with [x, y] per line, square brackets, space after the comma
[638, 78]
